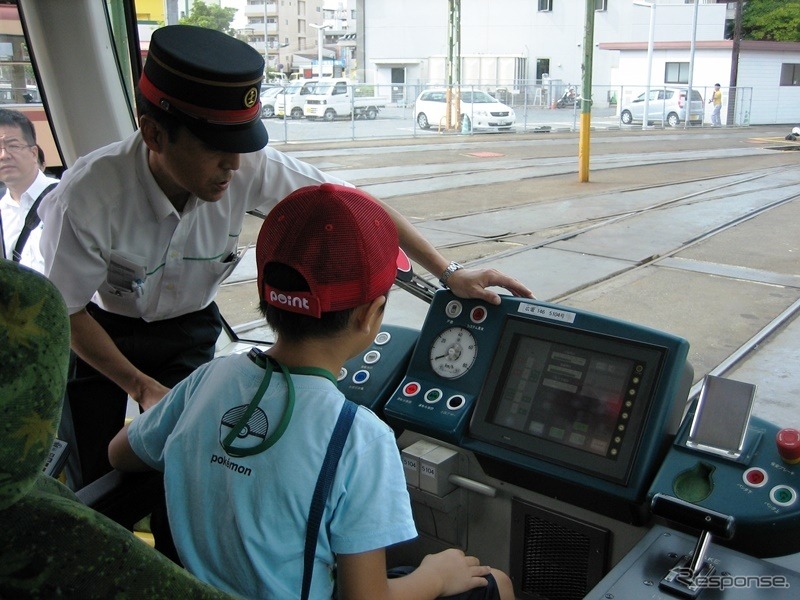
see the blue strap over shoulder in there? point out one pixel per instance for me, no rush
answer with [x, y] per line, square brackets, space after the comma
[323, 488]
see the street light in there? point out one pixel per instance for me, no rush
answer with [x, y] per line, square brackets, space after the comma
[652, 7]
[320, 29]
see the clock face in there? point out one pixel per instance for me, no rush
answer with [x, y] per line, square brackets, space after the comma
[453, 352]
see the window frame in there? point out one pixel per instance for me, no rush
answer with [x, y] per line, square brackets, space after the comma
[682, 75]
[790, 75]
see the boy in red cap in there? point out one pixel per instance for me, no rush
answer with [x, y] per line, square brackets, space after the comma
[242, 441]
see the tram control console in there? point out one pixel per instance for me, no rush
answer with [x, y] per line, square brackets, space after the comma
[593, 411]
[552, 398]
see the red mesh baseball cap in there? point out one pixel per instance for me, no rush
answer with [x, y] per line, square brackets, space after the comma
[339, 239]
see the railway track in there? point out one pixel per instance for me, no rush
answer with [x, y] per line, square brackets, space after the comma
[701, 245]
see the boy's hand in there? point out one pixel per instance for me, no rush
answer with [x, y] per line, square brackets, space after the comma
[456, 571]
[473, 283]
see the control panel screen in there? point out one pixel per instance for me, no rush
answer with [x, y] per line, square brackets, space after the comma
[571, 397]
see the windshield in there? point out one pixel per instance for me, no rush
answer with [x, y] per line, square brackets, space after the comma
[322, 88]
[478, 98]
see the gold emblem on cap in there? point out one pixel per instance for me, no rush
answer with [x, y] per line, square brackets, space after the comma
[251, 97]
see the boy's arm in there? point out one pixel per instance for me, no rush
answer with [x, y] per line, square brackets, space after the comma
[363, 576]
[121, 455]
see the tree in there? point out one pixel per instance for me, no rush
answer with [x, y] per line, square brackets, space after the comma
[775, 20]
[210, 16]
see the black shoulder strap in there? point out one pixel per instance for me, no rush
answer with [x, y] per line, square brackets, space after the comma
[323, 488]
[31, 221]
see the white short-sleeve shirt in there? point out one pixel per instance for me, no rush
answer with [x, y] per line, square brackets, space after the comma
[13, 215]
[111, 236]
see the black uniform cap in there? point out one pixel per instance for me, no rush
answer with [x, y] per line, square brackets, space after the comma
[211, 82]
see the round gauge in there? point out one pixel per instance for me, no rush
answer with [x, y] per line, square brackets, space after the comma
[453, 352]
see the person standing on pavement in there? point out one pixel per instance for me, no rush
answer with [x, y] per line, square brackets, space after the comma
[716, 100]
[140, 234]
[20, 228]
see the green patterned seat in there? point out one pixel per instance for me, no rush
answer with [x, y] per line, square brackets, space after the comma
[52, 545]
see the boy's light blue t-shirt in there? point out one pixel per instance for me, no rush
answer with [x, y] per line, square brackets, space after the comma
[239, 523]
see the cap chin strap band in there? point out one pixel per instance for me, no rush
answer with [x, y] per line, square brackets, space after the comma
[197, 113]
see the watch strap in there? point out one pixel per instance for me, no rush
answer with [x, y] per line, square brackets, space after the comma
[451, 268]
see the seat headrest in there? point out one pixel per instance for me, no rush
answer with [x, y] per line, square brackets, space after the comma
[34, 354]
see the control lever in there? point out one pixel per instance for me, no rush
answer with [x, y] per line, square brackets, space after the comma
[682, 578]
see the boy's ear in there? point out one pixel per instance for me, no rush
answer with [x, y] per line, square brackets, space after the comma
[368, 316]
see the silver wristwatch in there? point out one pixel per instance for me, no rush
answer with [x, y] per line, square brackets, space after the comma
[451, 268]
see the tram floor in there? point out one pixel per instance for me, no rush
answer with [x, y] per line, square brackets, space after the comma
[693, 232]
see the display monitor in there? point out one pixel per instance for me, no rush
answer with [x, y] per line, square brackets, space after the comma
[575, 398]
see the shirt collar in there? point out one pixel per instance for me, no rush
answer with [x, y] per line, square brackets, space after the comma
[159, 203]
[30, 195]
[36, 188]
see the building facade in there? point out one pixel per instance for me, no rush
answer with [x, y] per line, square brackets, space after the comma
[287, 32]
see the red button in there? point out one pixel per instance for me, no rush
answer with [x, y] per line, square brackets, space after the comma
[755, 477]
[478, 314]
[788, 441]
[411, 389]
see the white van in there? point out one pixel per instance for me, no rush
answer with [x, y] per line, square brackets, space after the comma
[291, 101]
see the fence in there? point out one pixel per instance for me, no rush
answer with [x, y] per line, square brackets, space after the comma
[541, 106]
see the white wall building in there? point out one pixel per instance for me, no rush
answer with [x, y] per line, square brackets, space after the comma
[405, 36]
[768, 78]
[512, 44]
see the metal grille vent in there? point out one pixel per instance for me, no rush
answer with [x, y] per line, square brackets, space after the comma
[555, 557]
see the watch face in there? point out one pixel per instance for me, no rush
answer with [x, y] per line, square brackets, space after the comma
[453, 352]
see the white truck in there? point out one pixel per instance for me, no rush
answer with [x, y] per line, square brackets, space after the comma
[334, 98]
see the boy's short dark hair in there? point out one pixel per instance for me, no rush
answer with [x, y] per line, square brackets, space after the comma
[12, 118]
[323, 251]
[294, 325]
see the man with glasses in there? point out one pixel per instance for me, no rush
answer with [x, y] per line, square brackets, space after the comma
[26, 184]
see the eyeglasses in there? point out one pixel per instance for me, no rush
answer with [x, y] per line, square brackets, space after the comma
[15, 148]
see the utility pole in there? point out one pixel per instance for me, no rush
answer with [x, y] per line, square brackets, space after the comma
[737, 35]
[453, 109]
[586, 95]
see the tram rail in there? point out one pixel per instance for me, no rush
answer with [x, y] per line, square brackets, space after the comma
[763, 187]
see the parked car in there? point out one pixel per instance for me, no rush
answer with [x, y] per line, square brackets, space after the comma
[667, 105]
[478, 111]
[293, 98]
[268, 99]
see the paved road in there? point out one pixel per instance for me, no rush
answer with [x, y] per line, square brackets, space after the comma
[690, 231]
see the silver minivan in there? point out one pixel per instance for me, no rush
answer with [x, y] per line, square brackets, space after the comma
[667, 105]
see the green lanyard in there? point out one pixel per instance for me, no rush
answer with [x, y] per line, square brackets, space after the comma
[268, 363]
